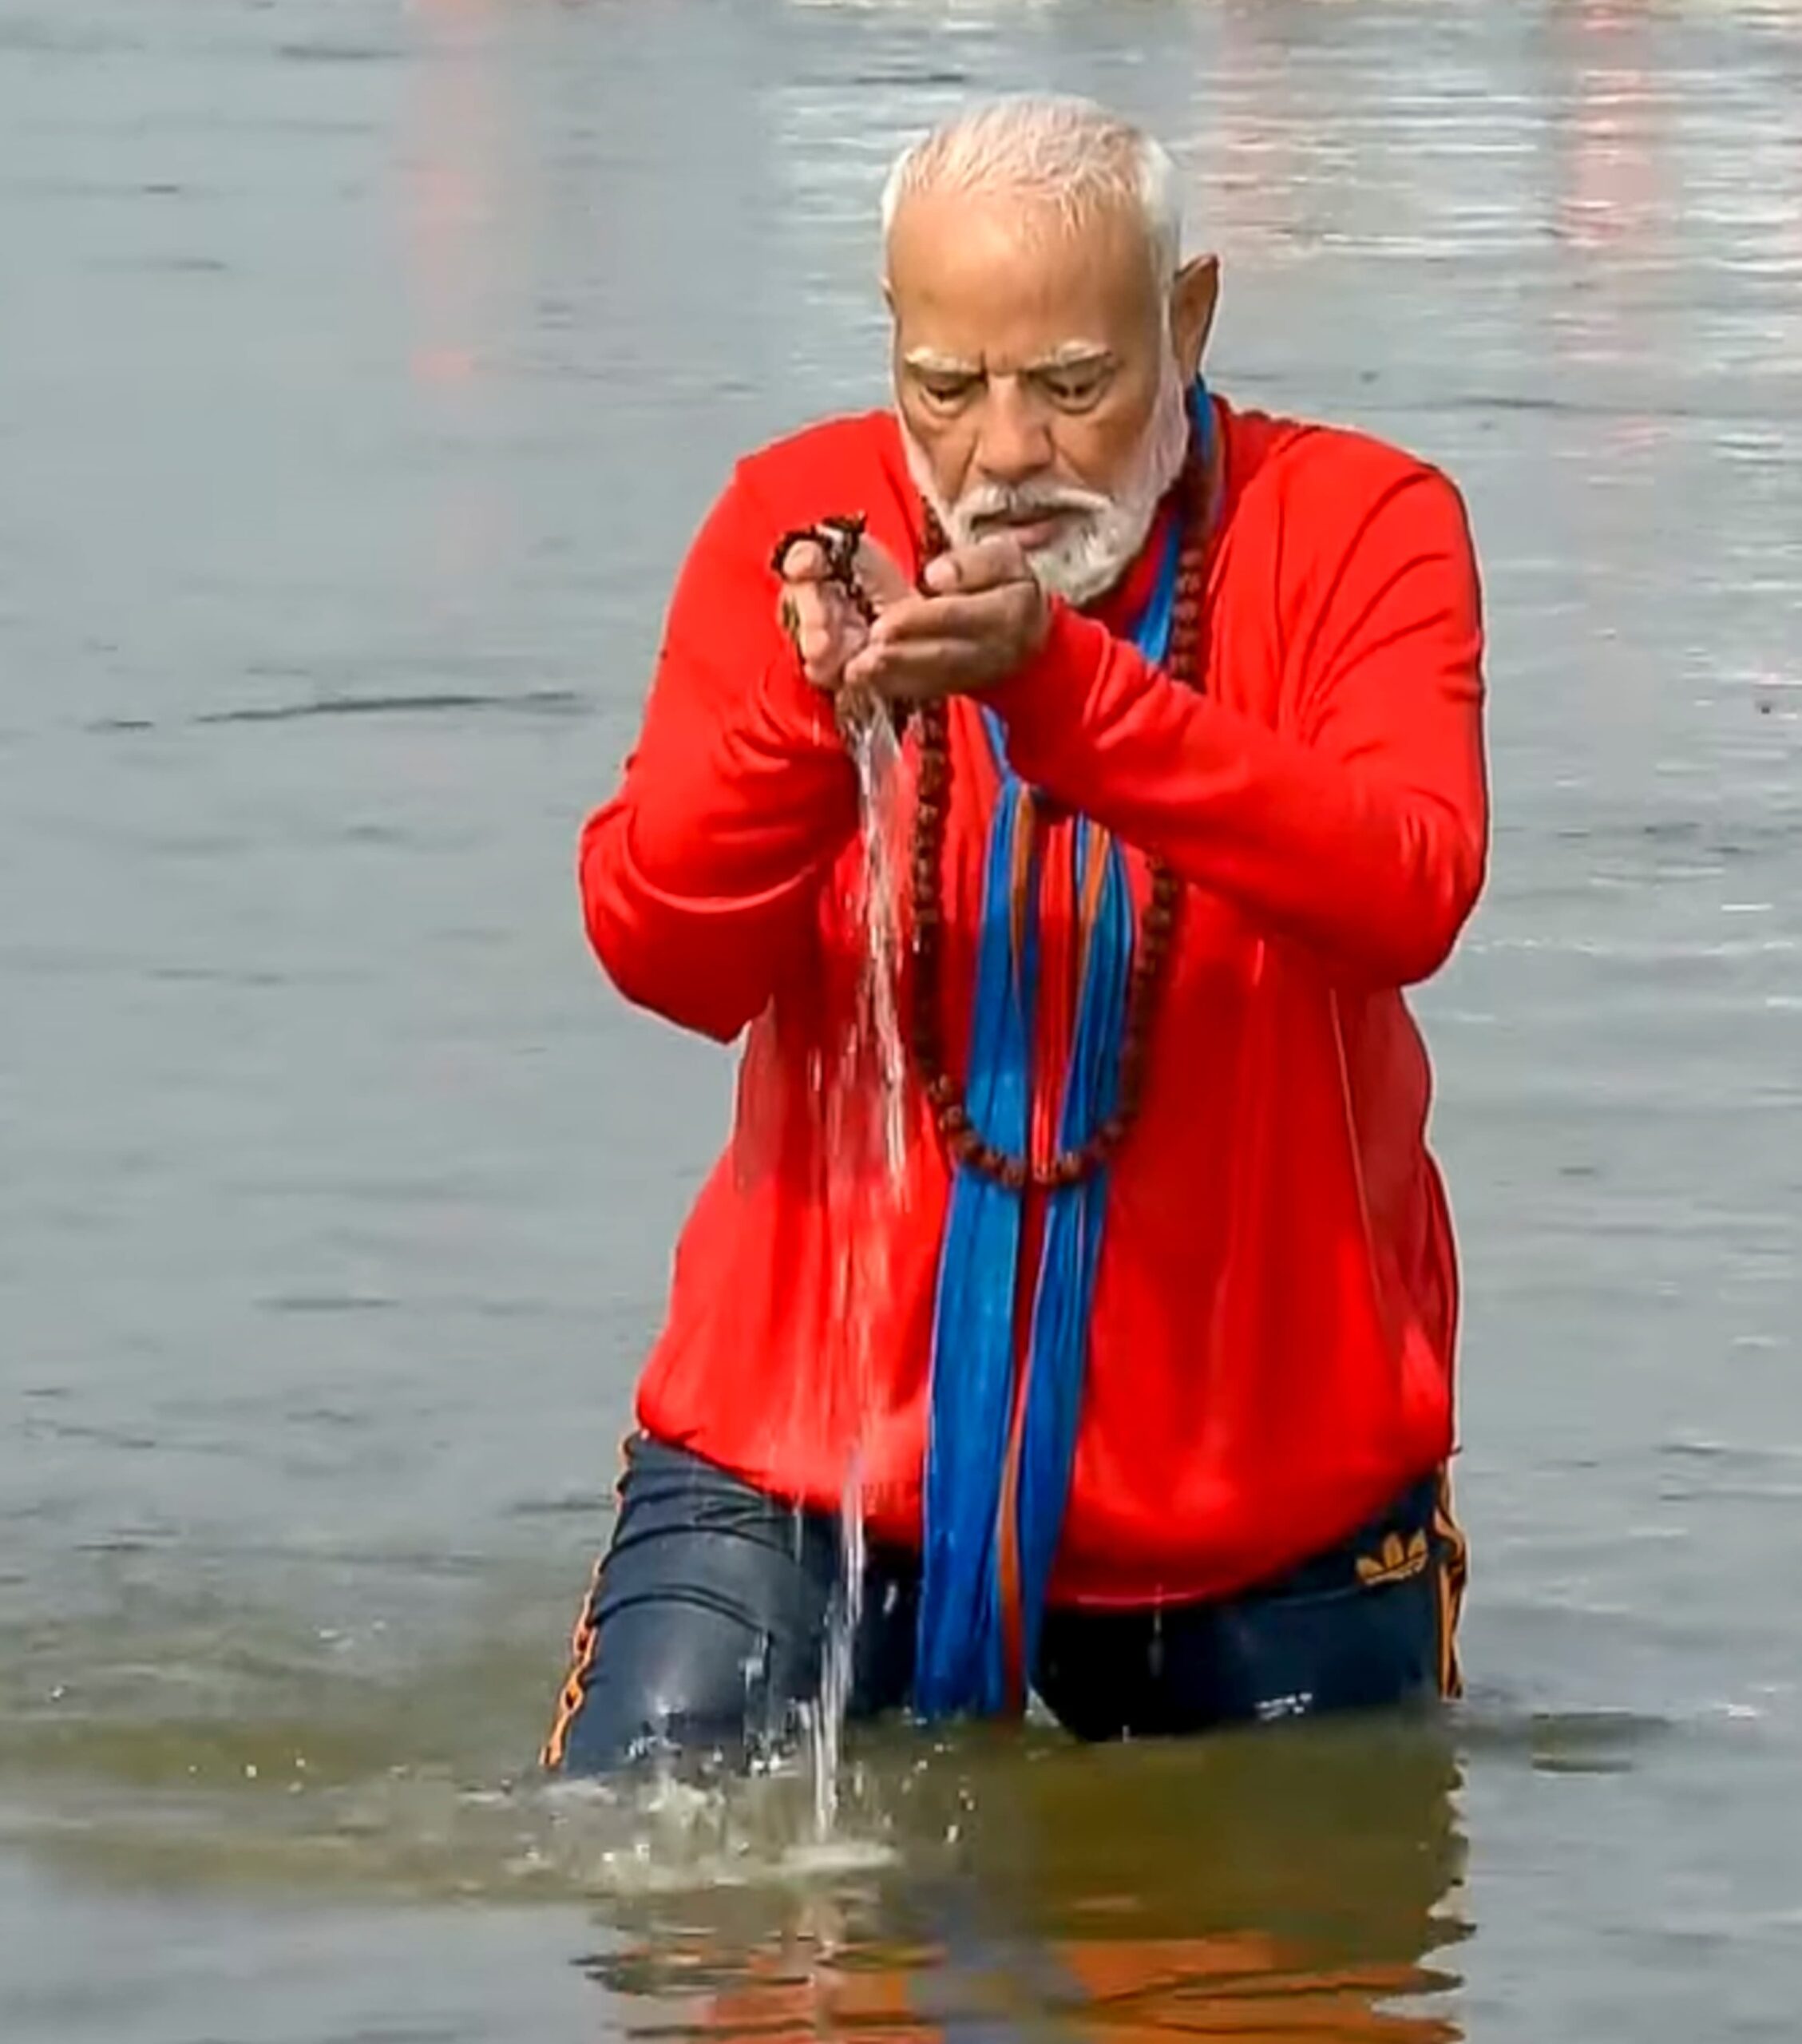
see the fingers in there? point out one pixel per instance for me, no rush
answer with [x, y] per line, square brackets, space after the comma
[883, 580]
[879, 574]
[915, 672]
[924, 646]
[821, 655]
[824, 630]
[826, 641]
[830, 636]
[804, 562]
[808, 609]
[972, 617]
[988, 565]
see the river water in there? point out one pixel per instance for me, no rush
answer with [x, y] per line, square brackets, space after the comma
[362, 370]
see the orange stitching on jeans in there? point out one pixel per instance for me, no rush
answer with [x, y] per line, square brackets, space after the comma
[582, 1644]
[1453, 1574]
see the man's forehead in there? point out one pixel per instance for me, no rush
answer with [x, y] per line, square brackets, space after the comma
[985, 277]
[940, 241]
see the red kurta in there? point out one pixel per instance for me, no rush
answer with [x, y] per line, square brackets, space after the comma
[1272, 1353]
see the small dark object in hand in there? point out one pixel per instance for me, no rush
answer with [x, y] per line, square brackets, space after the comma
[837, 539]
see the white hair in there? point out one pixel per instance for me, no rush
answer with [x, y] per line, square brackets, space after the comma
[1067, 154]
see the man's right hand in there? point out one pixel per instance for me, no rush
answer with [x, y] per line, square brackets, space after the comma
[821, 619]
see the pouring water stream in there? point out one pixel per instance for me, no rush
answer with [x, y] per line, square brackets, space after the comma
[869, 1126]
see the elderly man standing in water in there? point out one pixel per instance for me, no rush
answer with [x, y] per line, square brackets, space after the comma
[1154, 1416]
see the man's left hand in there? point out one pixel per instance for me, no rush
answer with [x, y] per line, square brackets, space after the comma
[984, 614]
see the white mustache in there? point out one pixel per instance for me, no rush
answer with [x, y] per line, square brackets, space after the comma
[988, 501]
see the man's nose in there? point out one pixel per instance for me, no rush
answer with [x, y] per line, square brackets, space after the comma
[1015, 443]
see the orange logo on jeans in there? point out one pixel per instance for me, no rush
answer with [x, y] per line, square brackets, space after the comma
[1395, 1563]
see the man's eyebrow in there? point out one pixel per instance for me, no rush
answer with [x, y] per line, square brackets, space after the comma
[1068, 355]
[937, 363]
[1074, 354]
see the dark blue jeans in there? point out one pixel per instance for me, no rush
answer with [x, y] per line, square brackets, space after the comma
[704, 1629]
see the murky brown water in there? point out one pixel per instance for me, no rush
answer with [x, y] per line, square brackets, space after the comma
[362, 370]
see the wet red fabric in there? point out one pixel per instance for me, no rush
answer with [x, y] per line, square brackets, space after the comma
[1273, 1352]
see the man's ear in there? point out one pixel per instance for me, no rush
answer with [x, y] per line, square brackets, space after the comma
[1192, 299]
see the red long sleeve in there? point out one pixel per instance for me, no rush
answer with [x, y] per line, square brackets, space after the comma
[1352, 814]
[700, 877]
[1271, 1350]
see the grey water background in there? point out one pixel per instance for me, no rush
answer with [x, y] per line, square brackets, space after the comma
[364, 370]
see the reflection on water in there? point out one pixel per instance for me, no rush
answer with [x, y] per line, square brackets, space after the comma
[1280, 1888]
[1303, 1884]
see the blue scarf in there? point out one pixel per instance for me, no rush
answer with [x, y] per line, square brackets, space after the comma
[995, 1490]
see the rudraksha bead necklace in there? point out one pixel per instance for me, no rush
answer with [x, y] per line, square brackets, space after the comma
[963, 1142]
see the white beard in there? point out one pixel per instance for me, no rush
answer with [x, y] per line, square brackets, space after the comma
[1101, 538]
